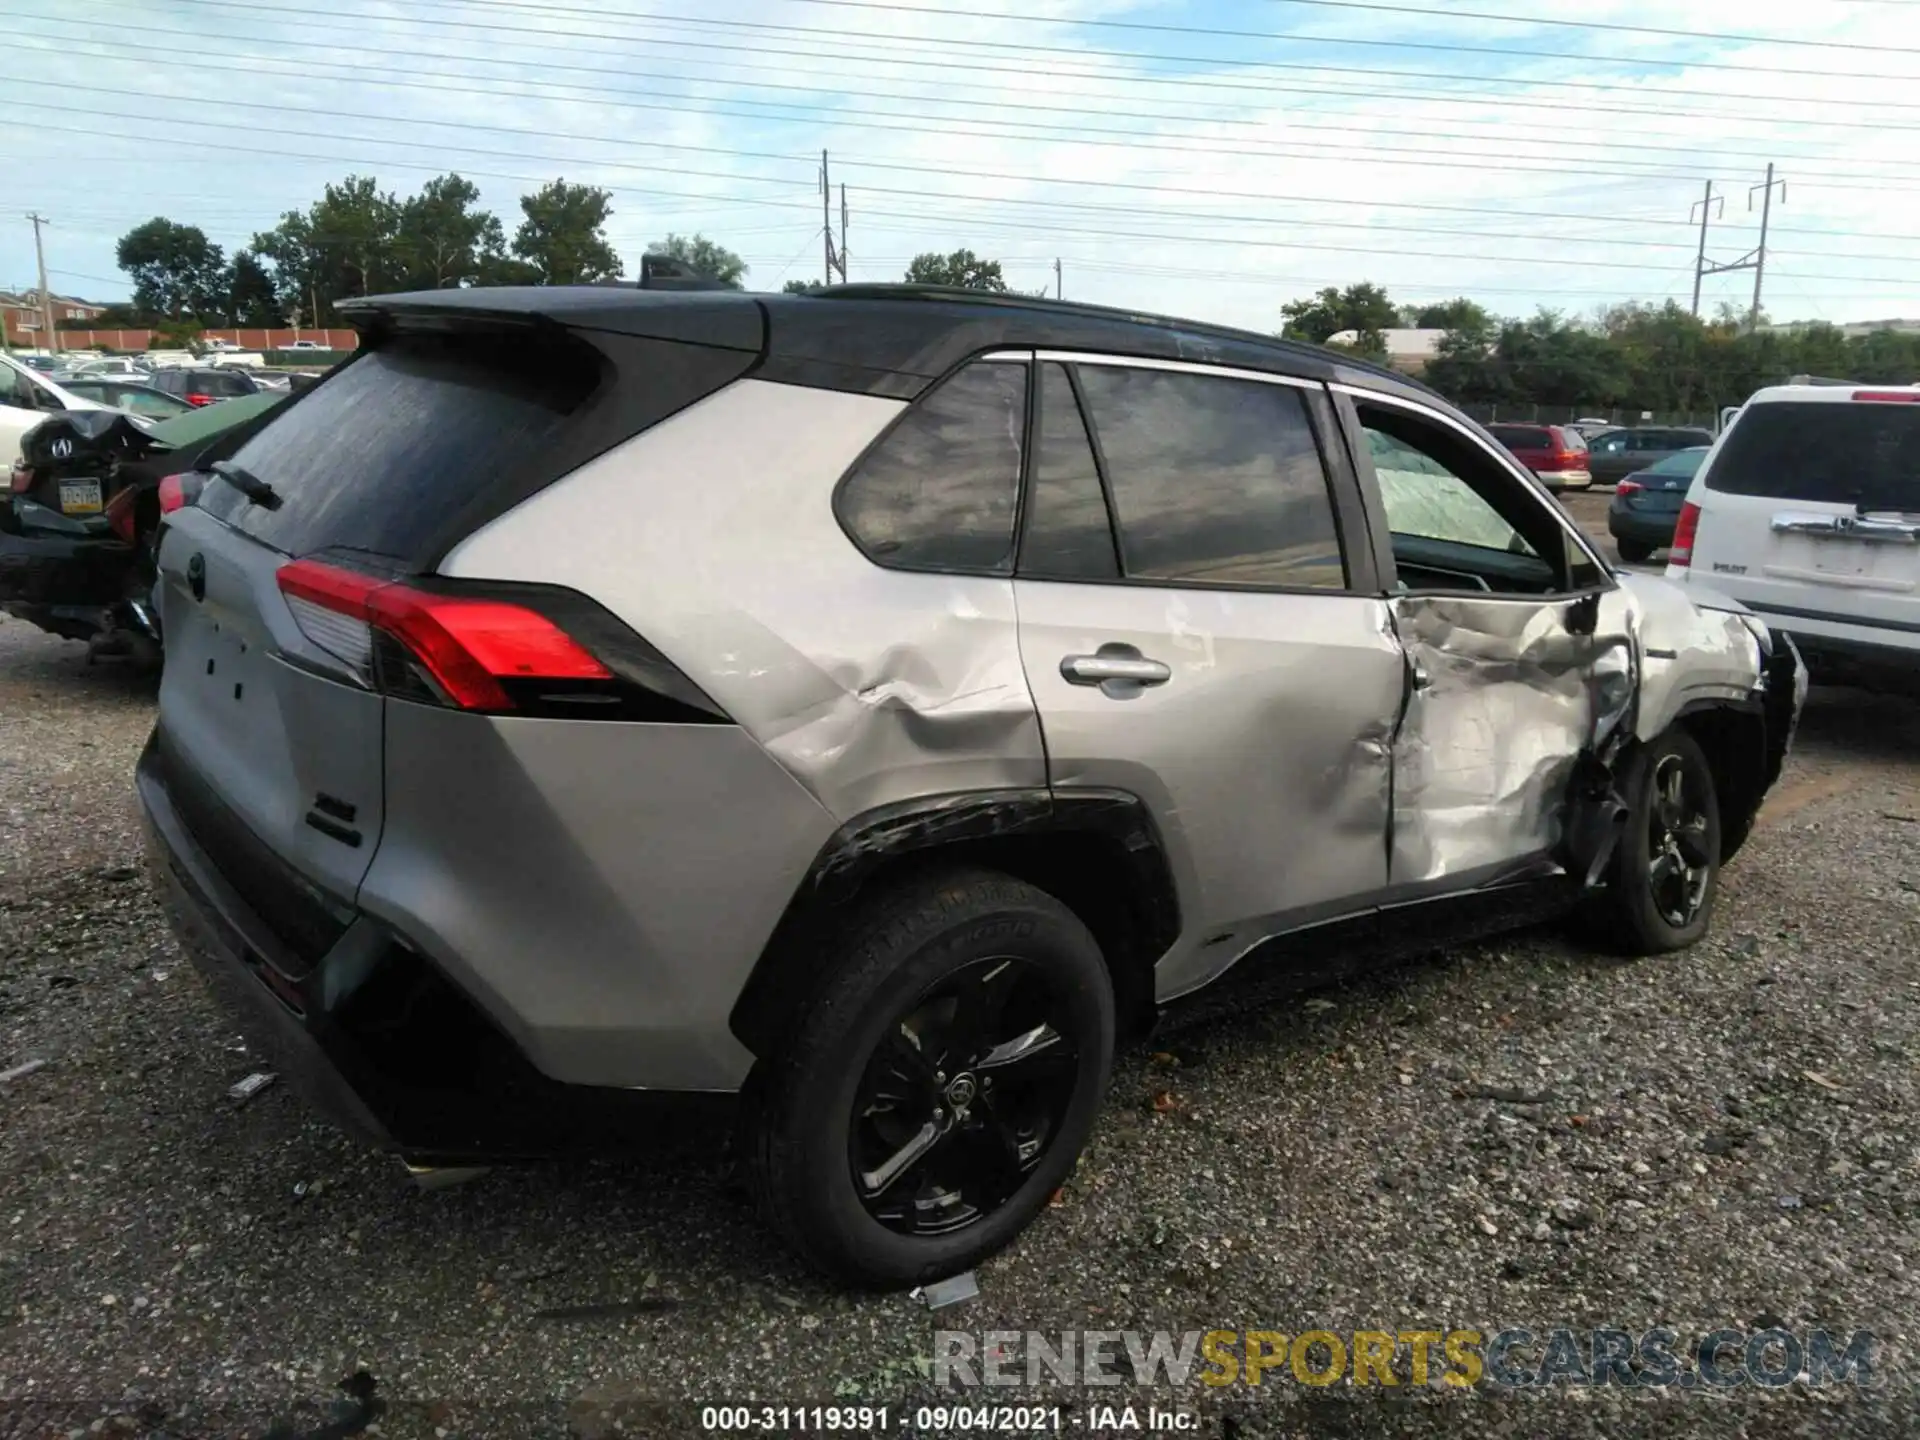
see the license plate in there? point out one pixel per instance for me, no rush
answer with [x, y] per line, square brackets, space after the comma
[80, 497]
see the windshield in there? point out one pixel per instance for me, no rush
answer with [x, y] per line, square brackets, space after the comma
[1845, 452]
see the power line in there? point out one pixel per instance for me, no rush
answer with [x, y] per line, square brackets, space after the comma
[1212, 32]
[304, 70]
[1434, 13]
[837, 38]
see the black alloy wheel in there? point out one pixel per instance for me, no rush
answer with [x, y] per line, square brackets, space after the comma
[961, 1098]
[1680, 854]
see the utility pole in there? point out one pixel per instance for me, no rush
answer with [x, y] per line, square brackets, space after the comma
[1754, 260]
[1057, 287]
[1700, 260]
[1760, 255]
[46, 295]
[843, 232]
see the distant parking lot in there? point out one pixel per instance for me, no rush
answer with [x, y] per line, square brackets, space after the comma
[1519, 1133]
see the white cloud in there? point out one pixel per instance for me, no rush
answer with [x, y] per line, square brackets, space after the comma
[1221, 195]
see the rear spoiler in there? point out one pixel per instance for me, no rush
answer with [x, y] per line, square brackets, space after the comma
[663, 272]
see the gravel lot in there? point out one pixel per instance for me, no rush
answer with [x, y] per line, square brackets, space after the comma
[1519, 1133]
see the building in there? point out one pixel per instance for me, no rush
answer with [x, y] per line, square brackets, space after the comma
[1854, 329]
[1408, 351]
[21, 316]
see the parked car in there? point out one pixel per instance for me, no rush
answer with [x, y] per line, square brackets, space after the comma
[26, 398]
[306, 345]
[1646, 505]
[204, 384]
[45, 364]
[136, 397]
[111, 367]
[1556, 453]
[78, 523]
[1808, 512]
[1615, 454]
[503, 777]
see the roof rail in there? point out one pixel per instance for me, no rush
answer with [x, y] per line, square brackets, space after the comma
[1818, 380]
[1012, 300]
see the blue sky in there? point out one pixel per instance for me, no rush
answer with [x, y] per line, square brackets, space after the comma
[1208, 174]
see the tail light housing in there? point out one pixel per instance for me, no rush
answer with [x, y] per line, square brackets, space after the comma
[1628, 487]
[120, 514]
[493, 649]
[1889, 397]
[179, 491]
[195, 398]
[1557, 460]
[1684, 531]
[20, 481]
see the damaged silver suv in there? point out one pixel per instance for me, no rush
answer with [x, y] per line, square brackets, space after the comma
[873, 706]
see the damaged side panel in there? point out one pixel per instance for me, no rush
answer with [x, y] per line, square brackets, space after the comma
[869, 685]
[1690, 652]
[1511, 706]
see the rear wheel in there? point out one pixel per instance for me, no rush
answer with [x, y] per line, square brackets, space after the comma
[938, 1084]
[1633, 552]
[1667, 869]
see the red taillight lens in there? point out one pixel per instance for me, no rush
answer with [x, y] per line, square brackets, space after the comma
[1681, 552]
[178, 491]
[199, 399]
[1889, 397]
[21, 480]
[1628, 487]
[466, 649]
[120, 514]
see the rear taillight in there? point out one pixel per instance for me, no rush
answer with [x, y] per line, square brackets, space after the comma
[120, 514]
[1562, 460]
[1628, 487]
[179, 491]
[21, 481]
[193, 399]
[471, 653]
[1681, 551]
[1888, 397]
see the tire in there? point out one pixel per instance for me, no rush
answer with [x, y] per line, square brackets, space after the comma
[1633, 552]
[1636, 912]
[829, 1103]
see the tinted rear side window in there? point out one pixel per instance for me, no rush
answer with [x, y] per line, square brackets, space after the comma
[1521, 437]
[1848, 453]
[1068, 534]
[1214, 481]
[392, 444]
[940, 490]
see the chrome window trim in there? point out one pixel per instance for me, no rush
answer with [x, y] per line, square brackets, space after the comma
[1178, 367]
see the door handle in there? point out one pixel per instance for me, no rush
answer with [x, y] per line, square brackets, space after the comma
[1120, 671]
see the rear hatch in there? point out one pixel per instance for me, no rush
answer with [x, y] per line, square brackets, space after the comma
[273, 697]
[1810, 511]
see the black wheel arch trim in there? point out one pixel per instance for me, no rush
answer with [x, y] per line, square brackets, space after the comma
[927, 826]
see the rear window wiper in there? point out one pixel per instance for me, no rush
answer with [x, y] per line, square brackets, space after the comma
[247, 483]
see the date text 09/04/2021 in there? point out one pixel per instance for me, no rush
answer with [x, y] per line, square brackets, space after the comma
[946, 1419]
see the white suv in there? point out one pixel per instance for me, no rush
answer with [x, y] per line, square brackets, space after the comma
[1807, 510]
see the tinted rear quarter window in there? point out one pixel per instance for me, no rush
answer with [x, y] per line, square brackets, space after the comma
[1068, 533]
[1846, 452]
[940, 490]
[1521, 437]
[395, 442]
[1215, 481]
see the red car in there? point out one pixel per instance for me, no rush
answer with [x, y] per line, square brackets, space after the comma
[1556, 453]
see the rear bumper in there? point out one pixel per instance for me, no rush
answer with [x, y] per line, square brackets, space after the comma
[1654, 529]
[66, 584]
[377, 1039]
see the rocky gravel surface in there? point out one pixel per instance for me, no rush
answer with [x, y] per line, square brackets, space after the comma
[1522, 1133]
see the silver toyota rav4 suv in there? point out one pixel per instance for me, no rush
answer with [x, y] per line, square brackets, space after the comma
[874, 706]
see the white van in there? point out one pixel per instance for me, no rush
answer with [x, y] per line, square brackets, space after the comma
[1807, 510]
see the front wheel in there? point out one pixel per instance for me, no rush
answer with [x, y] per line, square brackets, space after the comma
[1667, 869]
[938, 1084]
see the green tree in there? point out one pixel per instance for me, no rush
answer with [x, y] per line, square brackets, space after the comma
[703, 257]
[563, 235]
[250, 294]
[1364, 307]
[443, 238]
[176, 271]
[1459, 313]
[962, 269]
[344, 244]
[508, 270]
[801, 287]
